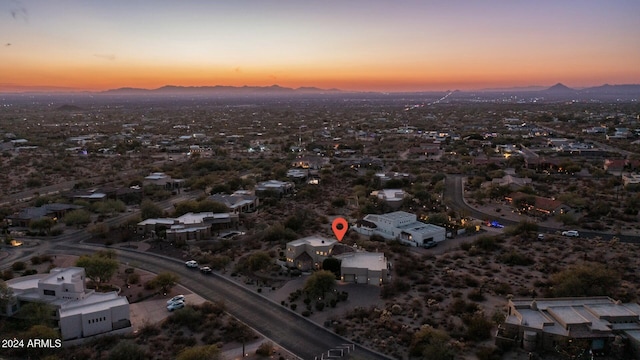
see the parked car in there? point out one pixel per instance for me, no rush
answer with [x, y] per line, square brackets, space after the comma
[540, 236]
[206, 270]
[430, 244]
[176, 305]
[571, 233]
[176, 299]
[191, 264]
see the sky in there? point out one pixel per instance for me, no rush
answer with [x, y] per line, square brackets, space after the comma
[359, 45]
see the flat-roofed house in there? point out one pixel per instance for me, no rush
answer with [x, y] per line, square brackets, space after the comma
[364, 268]
[549, 324]
[402, 226]
[80, 313]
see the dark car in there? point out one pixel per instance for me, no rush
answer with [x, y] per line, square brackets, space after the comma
[430, 244]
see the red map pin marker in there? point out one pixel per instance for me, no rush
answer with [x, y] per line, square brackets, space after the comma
[340, 227]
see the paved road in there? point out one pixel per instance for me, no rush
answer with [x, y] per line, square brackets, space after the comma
[454, 198]
[291, 331]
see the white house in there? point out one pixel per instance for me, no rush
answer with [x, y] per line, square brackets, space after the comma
[402, 226]
[190, 226]
[364, 268]
[241, 201]
[280, 188]
[392, 197]
[80, 313]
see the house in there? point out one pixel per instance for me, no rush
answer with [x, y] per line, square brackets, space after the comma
[190, 226]
[542, 205]
[274, 187]
[402, 226]
[163, 180]
[614, 165]
[53, 211]
[240, 201]
[392, 197]
[509, 180]
[80, 313]
[309, 252]
[364, 268]
[604, 324]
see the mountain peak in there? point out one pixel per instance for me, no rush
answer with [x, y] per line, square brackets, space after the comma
[560, 87]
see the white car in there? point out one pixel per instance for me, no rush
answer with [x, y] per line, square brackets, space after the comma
[191, 264]
[571, 233]
[176, 305]
[176, 299]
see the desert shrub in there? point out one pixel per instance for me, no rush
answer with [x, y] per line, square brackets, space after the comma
[476, 295]
[394, 288]
[208, 307]
[306, 313]
[478, 328]
[188, 317]
[18, 266]
[133, 278]
[487, 243]
[320, 305]
[265, 349]
[514, 258]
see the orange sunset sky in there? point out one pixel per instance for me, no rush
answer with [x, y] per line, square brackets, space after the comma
[372, 45]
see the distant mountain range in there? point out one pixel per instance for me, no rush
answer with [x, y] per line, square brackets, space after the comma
[217, 90]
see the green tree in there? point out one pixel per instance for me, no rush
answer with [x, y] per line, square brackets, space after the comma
[99, 267]
[77, 217]
[203, 352]
[184, 207]
[165, 281]
[212, 206]
[127, 350]
[36, 313]
[319, 283]
[42, 225]
[258, 261]
[149, 210]
[593, 279]
[431, 344]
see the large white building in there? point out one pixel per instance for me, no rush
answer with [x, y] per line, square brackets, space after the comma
[402, 226]
[80, 313]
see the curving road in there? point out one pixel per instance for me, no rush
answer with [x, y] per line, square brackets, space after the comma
[298, 335]
[454, 198]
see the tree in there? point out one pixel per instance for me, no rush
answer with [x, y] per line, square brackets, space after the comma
[77, 217]
[212, 206]
[6, 296]
[149, 210]
[165, 281]
[319, 283]
[332, 264]
[259, 260]
[36, 313]
[204, 352]
[99, 267]
[593, 279]
[431, 344]
[42, 225]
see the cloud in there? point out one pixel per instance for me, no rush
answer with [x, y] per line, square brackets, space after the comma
[110, 57]
[18, 11]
